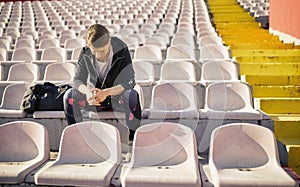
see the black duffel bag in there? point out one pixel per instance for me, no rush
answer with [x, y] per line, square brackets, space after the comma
[42, 97]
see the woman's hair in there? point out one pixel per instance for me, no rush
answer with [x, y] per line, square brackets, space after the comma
[97, 36]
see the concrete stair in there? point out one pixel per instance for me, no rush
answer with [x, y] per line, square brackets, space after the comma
[270, 67]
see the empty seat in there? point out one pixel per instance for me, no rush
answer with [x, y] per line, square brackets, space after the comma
[173, 101]
[144, 73]
[50, 55]
[11, 100]
[25, 43]
[163, 154]
[24, 146]
[59, 72]
[243, 154]
[181, 53]
[48, 43]
[230, 100]
[22, 55]
[214, 52]
[23, 72]
[149, 53]
[89, 154]
[178, 71]
[218, 71]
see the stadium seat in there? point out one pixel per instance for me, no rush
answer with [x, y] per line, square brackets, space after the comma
[11, 100]
[59, 72]
[181, 53]
[178, 71]
[218, 71]
[230, 100]
[23, 72]
[214, 52]
[22, 55]
[89, 154]
[149, 53]
[173, 101]
[144, 73]
[24, 146]
[163, 154]
[243, 154]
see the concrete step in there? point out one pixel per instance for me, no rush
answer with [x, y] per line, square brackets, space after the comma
[293, 149]
[270, 58]
[278, 105]
[267, 52]
[287, 128]
[272, 80]
[258, 46]
[275, 91]
[269, 68]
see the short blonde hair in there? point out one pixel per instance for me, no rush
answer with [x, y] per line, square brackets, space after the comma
[97, 36]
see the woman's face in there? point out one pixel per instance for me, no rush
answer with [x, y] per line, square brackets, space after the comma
[101, 53]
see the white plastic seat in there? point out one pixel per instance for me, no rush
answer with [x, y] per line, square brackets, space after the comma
[164, 154]
[89, 154]
[173, 101]
[243, 154]
[214, 52]
[11, 100]
[178, 71]
[149, 53]
[230, 100]
[24, 146]
[23, 72]
[183, 39]
[74, 43]
[48, 43]
[48, 56]
[182, 53]
[59, 72]
[25, 43]
[210, 40]
[22, 55]
[144, 73]
[218, 71]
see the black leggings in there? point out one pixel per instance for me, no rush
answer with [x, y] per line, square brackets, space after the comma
[128, 102]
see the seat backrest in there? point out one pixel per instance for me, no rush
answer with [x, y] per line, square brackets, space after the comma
[242, 145]
[59, 72]
[48, 43]
[149, 52]
[173, 96]
[12, 96]
[180, 52]
[178, 70]
[23, 72]
[219, 71]
[22, 141]
[24, 54]
[90, 142]
[54, 53]
[143, 70]
[228, 96]
[74, 43]
[214, 52]
[25, 42]
[163, 144]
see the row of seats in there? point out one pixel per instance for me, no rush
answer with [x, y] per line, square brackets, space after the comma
[223, 100]
[163, 154]
[258, 9]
